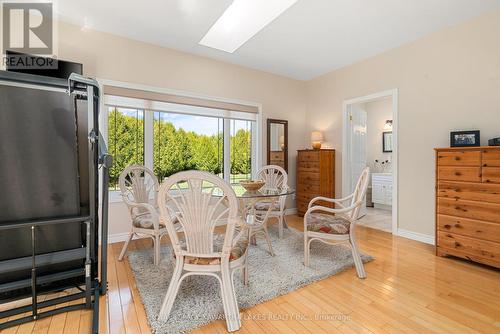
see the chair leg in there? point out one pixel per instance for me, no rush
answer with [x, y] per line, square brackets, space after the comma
[253, 240]
[285, 224]
[231, 310]
[157, 247]
[268, 239]
[360, 269]
[245, 270]
[306, 250]
[280, 224]
[173, 288]
[124, 249]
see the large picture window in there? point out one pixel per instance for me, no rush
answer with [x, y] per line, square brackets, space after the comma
[184, 142]
[169, 138]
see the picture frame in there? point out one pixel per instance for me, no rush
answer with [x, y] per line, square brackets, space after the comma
[387, 142]
[468, 138]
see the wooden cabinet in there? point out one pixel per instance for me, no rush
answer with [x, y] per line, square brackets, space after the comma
[468, 203]
[315, 177]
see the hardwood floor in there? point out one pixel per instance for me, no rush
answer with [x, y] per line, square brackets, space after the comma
[408, 290]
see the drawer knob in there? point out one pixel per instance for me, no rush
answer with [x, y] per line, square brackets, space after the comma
[457, 158]
[447, 226]
[458, 173]
[458, 226]
[457, 244]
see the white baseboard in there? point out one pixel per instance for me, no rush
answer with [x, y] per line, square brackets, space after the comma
[425, 238]
[120, 237]
[117, 237]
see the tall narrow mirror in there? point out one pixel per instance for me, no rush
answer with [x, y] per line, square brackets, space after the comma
[277, 142]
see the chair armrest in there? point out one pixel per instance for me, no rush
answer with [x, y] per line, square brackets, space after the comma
[331, 200]
[324, 208]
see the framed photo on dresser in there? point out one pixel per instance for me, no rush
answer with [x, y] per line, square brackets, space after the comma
[465, 138]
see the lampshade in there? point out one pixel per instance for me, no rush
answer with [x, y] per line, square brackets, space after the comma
[316, 136]
[282, 140]
[388, 124]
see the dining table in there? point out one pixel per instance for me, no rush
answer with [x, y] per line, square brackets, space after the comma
[248, 198]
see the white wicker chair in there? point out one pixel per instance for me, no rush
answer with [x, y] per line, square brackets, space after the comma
[339, 228]
[200, 201]
[275, 177]
[138, 185]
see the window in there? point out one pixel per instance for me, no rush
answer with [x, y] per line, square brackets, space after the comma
[125, 140]
[184, 142]
[241, 150]
[172, 137]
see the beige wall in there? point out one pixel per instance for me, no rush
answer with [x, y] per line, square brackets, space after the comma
[377, 112]
[447, 80]
[111, 57]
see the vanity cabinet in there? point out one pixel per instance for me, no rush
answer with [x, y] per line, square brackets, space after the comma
[468, 203]
[382, 189]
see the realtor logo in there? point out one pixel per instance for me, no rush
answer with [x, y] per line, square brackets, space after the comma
[27, 27]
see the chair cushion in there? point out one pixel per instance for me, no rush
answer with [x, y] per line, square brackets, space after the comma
[144, 221]
[324, 223]
[236, 252]
[264, 205]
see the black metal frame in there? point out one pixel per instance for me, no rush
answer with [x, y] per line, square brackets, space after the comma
[285, 124]
[383, 141]
[475, 133]
[87, 276]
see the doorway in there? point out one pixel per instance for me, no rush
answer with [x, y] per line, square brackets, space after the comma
[370, 140]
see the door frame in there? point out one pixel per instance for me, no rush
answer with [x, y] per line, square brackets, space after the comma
[393, 94]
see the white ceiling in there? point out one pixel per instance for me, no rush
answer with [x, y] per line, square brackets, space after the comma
[311, 38]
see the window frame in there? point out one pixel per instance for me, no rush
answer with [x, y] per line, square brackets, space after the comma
[256, 129]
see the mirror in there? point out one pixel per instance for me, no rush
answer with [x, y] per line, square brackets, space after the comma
[387, 142]
[277, 142]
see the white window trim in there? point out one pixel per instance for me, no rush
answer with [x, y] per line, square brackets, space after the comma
[257, 153]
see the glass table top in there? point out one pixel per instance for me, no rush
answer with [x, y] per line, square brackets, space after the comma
[262, 192]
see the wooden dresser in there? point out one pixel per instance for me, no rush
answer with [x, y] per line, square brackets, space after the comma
[468, 203]
[315, 177]
[277, 158]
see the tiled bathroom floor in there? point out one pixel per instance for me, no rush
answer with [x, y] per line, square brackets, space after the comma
[378, 219]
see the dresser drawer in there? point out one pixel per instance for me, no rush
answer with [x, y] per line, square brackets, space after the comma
[491, 174]
[442, 251]
[308, 166]
[469, 227]
[469, 209]
[451, 173]
[308, 188]
[308, 178]
[476, 247]
[469, 191]
[459, 158]
[301, 208]
[277, 156]
[491, 158]
[308, 156]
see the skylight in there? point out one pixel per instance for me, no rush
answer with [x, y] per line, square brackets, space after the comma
[241, 21]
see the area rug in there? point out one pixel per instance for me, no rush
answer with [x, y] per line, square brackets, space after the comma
[198, 301]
